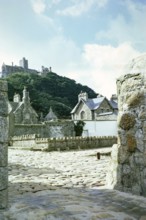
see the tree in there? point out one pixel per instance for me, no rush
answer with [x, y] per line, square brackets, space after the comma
[79, 128]
[60, 93]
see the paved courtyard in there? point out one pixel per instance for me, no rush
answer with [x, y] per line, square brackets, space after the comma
[66, 186]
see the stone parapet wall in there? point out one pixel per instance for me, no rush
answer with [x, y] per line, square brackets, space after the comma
[3, 145]
[128, 164]
[28, 129]
[59, 128]
[25, 141]
[26, 137]
[66, 143]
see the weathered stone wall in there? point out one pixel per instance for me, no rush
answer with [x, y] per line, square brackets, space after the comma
[20, 129]
[66, 143]
[60, 128]
[3, 145]
[128, 164]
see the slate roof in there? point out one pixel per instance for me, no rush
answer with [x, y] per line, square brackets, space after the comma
[16, 106]
[91, 103]
[51, 115]
[95, 103]
[113, 104]
[13, 106]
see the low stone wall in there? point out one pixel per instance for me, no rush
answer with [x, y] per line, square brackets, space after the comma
[3, 145]
[66, 143]
[24, 141]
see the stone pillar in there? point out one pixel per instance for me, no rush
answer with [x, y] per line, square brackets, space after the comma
[128, 164]
[3, 145]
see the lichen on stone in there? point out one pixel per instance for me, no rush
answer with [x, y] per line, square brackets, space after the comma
[131, 143]
[127, 121]
[135, 99]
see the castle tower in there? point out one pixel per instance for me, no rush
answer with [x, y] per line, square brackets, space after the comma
[4, 71]
[24, 63]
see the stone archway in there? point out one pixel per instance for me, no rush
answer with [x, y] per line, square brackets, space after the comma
[3, 144]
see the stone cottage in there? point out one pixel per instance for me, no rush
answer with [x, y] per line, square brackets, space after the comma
[23, 120]
[99, 114]
[94, 109]
[21, 111]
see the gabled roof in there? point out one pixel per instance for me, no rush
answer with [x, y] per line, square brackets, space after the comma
[113, 104]
[95, 103]
[51, 115]
[76, 106]
[15, 106]
[91, 103]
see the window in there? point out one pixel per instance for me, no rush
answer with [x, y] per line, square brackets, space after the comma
[82, 115]
[27, 116]
[102, 110]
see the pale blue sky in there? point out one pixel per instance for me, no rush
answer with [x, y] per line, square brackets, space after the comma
[89, 41]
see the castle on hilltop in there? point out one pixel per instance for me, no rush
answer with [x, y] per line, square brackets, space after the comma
[23, 67]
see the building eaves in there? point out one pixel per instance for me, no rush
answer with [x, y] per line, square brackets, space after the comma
[18, 106]
[77, 105]
[13, 105]
[113, 104]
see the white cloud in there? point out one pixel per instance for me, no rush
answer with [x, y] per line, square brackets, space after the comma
[97, 66]
[80, 7]
[104, 64]
[38, 6]
[107, 63]
[131, 28]
[55, 2]
[61, 53]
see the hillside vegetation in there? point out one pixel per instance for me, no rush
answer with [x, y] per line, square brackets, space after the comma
[60, 93]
